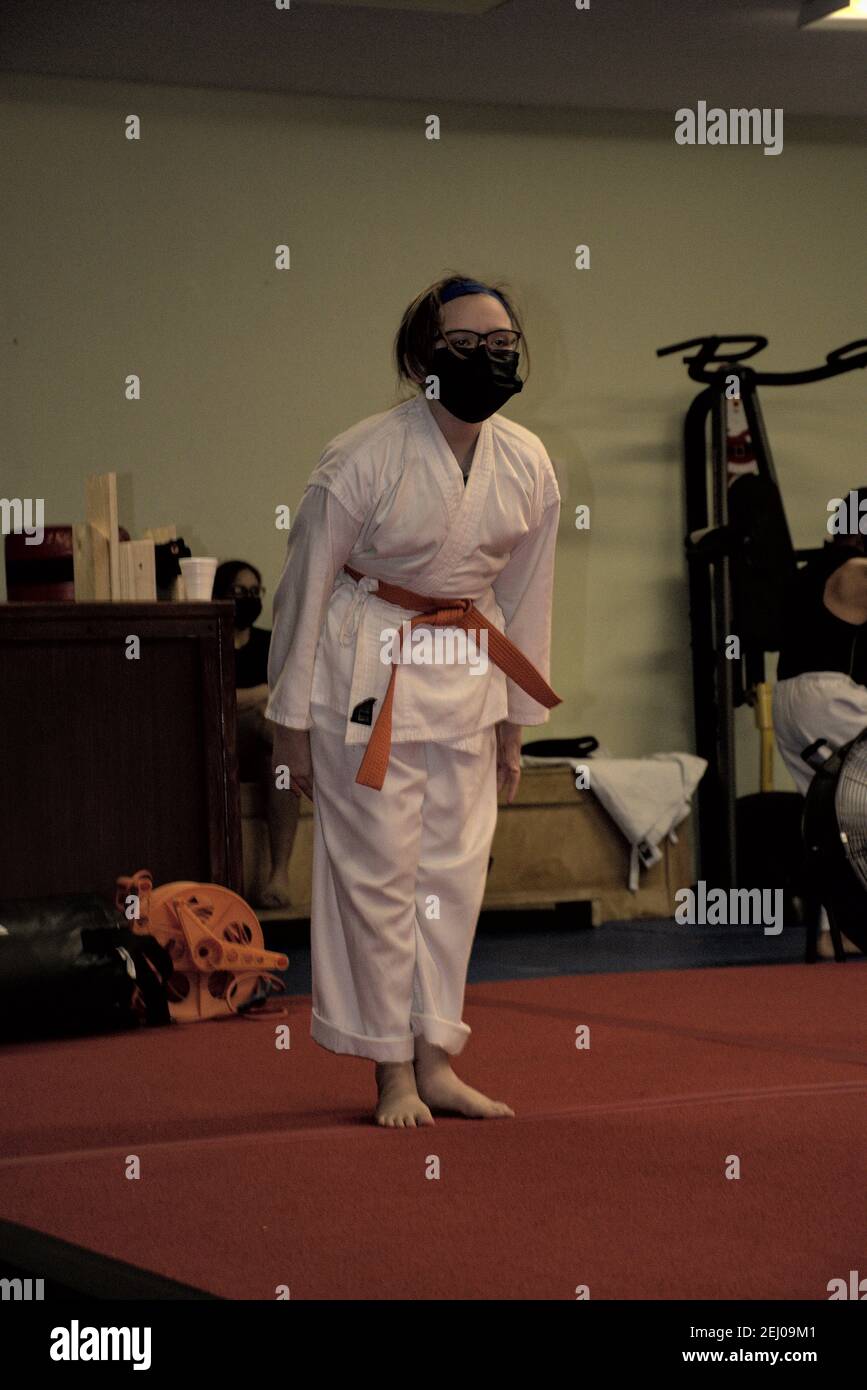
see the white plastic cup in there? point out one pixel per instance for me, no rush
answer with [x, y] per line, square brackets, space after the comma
[198, 575]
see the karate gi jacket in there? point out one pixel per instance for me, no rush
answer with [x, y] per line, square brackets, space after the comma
[388, 497]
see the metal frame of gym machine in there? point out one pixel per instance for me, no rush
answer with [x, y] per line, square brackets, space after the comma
[721, 685]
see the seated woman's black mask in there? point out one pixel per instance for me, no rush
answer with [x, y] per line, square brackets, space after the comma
[247, 611]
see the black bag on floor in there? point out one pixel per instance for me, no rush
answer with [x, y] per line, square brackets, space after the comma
[71, 966]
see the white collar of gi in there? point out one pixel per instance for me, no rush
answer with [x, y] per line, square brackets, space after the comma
[450, 475]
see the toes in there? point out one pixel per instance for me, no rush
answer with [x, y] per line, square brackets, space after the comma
[408, 1119]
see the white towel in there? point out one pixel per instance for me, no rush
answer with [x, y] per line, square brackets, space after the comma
[646, 797]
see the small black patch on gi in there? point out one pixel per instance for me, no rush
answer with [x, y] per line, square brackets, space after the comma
[363, 713]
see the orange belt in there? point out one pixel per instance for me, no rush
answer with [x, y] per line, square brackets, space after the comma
[442, 612]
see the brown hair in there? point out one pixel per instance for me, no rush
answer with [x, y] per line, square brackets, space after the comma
[420, 327]
[226, 574]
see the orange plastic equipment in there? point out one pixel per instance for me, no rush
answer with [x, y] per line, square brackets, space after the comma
[216, 942]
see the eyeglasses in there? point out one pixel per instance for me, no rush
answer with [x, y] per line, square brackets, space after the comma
[465, 340]
[238, 591]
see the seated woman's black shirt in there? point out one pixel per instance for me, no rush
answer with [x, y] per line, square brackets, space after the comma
[251, 660]
[814, 639]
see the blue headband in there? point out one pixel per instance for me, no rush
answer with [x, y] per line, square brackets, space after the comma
[459, 287]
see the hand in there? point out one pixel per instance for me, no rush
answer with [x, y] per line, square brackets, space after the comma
[292, 748]
[508, 759]
[252, 697]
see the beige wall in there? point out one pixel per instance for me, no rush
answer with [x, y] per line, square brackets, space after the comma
[156, 257]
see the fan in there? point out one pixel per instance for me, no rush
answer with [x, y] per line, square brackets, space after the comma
[835, 831]
[215, 941]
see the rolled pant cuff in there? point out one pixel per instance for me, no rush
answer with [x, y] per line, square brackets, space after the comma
[452, 1037]
[359, 1044]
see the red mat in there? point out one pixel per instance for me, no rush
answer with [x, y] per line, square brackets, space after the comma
[260, 1168]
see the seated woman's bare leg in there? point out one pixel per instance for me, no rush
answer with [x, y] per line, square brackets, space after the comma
[283, 808]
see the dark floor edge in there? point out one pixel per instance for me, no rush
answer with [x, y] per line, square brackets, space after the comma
[71, 1270]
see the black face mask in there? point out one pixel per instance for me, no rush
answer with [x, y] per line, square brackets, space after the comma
[247, 611]
[475, 386]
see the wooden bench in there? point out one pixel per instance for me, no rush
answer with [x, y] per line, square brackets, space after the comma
[552, 845]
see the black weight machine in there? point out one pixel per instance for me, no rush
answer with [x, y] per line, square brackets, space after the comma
[741, 562]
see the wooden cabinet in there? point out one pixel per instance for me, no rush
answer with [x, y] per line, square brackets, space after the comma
[111, 763]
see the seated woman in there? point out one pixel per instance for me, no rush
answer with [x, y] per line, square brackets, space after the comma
[237, 580]
[821, 689]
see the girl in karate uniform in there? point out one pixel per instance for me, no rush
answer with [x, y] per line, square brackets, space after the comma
[440, 498]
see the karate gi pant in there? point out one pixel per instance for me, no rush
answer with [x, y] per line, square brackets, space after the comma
[398, 880]
[818, 704]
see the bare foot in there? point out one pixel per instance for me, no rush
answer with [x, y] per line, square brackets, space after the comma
[442, 1090]
[445, 1091]
[276, 892]
[400, 1106]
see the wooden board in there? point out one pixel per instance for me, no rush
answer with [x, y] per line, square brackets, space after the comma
[137, 570]
[90, 564]
[100, 494]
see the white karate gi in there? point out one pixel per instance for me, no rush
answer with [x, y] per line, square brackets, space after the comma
[817, 704]
[399, 873]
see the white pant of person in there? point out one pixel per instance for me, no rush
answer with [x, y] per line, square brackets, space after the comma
[818, 704]
[398, 880]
